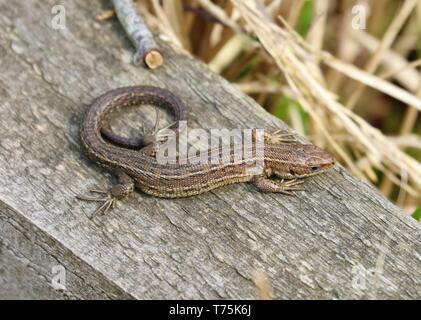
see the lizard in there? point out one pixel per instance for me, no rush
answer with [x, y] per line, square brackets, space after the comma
[140, 169]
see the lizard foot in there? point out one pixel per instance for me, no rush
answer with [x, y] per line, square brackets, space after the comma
[108, 201]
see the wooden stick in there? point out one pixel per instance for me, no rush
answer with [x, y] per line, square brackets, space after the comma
[146, 47]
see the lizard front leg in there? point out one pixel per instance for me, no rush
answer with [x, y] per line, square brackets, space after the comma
[265, 184]
[123, 188]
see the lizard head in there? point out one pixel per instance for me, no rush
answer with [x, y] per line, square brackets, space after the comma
[291, 161]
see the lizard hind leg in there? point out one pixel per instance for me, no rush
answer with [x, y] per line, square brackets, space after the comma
[108, 200]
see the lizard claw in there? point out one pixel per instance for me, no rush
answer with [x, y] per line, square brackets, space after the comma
[108, 202]
[98, 191]
[109, 198]
[291, 185]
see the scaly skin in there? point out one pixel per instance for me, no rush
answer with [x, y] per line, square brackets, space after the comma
[140, 169]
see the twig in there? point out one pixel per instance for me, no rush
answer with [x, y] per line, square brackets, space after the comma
[146, 47]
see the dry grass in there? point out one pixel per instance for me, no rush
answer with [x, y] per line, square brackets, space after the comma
[353, 91]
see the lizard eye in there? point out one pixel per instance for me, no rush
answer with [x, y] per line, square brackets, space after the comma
[315, 168]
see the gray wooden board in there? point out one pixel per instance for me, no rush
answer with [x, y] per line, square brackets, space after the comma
[338, 239]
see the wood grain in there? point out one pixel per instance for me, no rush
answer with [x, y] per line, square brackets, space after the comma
[338, 239]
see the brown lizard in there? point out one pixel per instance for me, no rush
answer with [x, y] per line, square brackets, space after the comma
[140, 169]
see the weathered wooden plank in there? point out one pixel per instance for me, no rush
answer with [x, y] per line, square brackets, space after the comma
[323, 243]
[31, 262]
